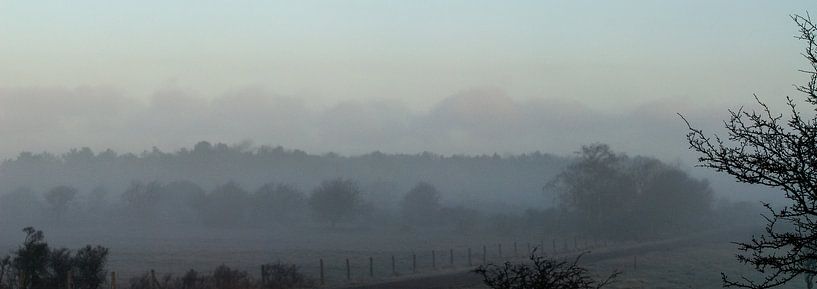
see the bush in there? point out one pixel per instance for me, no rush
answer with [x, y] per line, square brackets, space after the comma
[278, 276]
[285, 276]
[35, 266]
[541, 273]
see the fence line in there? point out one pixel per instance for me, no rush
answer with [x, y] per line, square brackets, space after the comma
[325, 276]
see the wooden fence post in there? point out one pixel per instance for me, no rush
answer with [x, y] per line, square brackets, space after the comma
[451, 254]
[113, 279]
[323, 281]
[153, 282]
[393, 266]
[515, 250]
[371, 267]
[348, 270]
[434, 259]
[414, 263]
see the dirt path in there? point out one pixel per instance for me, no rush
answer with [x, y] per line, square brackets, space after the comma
[466, 279]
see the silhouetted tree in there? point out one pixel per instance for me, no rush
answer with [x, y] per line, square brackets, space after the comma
[762, 147]
[90, 263]
[30, 260]
[142, 200]
[595, 187]
[668, 199]
[60, 263]
[181, 203]
[34, 266]
[617, 196]
[227, 205]
[335, 200]
[279, 203]
[59, 199]
[421, 205]
[541, 273]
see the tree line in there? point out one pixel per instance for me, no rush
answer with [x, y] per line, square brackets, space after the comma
[600, 193]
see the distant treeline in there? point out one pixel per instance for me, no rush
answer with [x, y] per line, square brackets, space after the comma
[487, 180]
[598, 192]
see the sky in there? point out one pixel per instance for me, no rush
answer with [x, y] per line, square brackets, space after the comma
[395, 76]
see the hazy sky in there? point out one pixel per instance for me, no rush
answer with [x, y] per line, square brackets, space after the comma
[407, 76]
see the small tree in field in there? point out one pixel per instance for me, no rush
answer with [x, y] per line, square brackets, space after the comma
[335, 200]
[59, 198]
[421, 205]
[762, 147]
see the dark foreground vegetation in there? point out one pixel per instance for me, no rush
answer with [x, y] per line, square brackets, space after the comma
[762, 147]
[35, 265]
[542, 273]
[276, 276]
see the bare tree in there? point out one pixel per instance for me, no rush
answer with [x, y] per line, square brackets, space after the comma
[766, 148]
[335, 200]
[421, 205]
[542, 273]
[59, 198]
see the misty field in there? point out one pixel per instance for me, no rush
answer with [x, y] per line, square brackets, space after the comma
[685, 263]
[136, 252]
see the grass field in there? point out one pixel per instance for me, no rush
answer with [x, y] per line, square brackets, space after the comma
[687, 264]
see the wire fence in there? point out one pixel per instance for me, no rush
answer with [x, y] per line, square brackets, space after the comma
[380, 266]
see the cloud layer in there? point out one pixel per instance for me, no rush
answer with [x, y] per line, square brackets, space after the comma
[473, 122]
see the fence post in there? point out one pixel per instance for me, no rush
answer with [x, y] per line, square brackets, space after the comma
[414, 263]
[484, 255]
[393, 266]
[469, 257]
[371, 267]
[451, 253]
[113, 279]
[434, 259]
[153, 282]
[323, 281]
[635, 262]
[515, 250]
[348, 270]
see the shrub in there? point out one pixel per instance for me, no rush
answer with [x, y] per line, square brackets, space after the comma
[541, 273]
[285, 276]
[35, 266]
